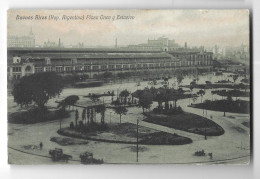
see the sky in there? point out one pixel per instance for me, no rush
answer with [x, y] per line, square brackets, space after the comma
[196, 27]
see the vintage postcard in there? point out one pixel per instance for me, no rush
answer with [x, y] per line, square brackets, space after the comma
[129, 87]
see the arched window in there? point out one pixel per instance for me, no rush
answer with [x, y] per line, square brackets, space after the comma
[28, 69]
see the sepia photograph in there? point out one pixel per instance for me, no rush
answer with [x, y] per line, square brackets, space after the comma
[96, 87]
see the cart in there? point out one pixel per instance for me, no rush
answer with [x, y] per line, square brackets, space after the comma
[58, 155]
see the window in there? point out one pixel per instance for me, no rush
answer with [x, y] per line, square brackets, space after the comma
[16, 69]
[125, 66]
[38, 69]
[47, 61]
[28, 69]
[48, 68]
[59, 69]
[74, 61]
[68, 69]
[103, 67]
[95, 67]
[111, 67]
[132, 66]
[78, 68]
[118, 67]
[86, 68]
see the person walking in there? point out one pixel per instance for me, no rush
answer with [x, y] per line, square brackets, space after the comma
[41, 145]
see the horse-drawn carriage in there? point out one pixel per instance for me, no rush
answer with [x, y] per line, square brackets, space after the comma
[200, 153]
[58, 155]
[87, 158]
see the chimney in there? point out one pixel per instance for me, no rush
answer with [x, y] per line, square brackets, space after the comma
[116, 43]
[59, 42]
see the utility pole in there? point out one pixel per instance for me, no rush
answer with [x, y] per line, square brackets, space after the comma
[137, 122]
[110, 117]
[117, 93]
[205, 134]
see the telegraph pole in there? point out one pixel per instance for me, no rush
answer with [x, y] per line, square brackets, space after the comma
[110, 117]
[137, 122]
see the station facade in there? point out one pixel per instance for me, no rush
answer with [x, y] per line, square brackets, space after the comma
[23, 62]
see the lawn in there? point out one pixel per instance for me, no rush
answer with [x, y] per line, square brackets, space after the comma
[127, 133]
[219, 85]
[35, 116]
[238, 106]
[187, 122]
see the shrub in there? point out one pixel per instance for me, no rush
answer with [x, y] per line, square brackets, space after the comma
[116, 102]
[156, 110]
[61, 113]
[72, 125]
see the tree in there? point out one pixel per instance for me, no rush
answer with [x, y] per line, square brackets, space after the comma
[145, 100]
[69, 101]
[241, 86]
[76, 117]
[179, 79]
[159, 97]
[94, 98]
[120, 110]
[124, 94]
[201, 93]
[222, 93]
[84, 115]
[37, 88]
[107, 75]
[175, 95]
[101, 109]
[193, 83]
[191, 88]
[235, 77]
[88, 114]
[213, 93]
[208, 82]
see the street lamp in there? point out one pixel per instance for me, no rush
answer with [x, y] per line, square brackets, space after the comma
[110, 117]
[137, 122]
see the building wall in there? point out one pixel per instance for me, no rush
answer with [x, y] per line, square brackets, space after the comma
[25, 41]
[97, 66]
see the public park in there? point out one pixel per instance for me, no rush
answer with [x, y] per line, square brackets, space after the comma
[179, 118]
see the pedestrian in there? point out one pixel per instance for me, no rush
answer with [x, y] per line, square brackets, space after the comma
[41, 145]
[211, 155]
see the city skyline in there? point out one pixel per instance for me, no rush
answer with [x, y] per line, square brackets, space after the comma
[222, 27]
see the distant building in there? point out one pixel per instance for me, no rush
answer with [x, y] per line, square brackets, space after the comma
[160, 44]
[22, 41]
[230, 66]
[78, 45]
[240, 52]
[51, 44]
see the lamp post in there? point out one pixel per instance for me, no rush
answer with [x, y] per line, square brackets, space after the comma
[137, 122]
[117, 93]
[110, 117]
[60, 123]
